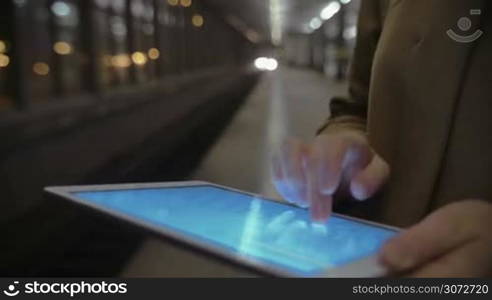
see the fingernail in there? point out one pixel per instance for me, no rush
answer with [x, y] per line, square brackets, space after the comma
[358, 191]
[317, 217]
[328, 190]
[398, 260]
[326, 184]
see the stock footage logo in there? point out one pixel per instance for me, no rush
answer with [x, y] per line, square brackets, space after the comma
[12, 290]
[465, 24]
[68, 288]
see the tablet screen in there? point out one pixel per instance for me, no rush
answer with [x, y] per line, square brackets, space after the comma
[261, 230]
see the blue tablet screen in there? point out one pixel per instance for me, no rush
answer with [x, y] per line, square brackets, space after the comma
[260, 230]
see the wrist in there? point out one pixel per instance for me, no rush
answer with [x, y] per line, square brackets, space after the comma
[344, 123]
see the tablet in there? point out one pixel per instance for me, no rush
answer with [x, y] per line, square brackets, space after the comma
[268, 236]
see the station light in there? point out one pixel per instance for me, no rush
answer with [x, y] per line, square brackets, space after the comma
[186, 3]
[121, 61]
[330, 10]
[4, 60]
[41, 68]
[154, 53]
[139, 58]
[350, 33]
[266, 64]
[61, 9]
[3, 47]
[197, 20]
[62, 48]
[315, 23]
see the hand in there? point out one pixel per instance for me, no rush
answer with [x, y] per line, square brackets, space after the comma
[454, 241]
[310, 174]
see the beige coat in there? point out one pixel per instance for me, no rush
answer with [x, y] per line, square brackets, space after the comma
[425, 101]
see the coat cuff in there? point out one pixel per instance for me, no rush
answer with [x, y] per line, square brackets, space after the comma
[345, 114]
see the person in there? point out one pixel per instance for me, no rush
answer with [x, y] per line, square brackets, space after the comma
[412, 141]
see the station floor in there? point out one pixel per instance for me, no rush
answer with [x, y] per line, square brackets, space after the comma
[288, 102]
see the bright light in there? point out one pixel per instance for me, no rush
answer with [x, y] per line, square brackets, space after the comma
[350, 33]
[3, 47]
[272, 64]
[121, 61]
[261, 62]
[315, 23]
[186, 3]
[197, 20]
[277, 20]
[62, 48]
[4, 60]
[154, 53]
[345, 1]
[266, 64]
[173, 2]
[61, 9]
[41, 68]
[330, 10]
[139, 58]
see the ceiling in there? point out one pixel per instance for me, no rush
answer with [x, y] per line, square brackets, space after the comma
[269, 17]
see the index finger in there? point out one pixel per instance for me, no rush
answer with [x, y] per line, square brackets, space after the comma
[320, 204]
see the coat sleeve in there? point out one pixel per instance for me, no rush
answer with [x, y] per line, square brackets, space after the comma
[351, 112]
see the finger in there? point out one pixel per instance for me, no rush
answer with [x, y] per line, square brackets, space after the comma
[326, 163]
[277, 172]
[286, 192]
[434, 236]
[320, 204]
[370, 179]
[281, 181]
[278, 175]
[326, 207]
[468, 260]
[293, 154]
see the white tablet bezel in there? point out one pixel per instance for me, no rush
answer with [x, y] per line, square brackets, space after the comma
[367, 267]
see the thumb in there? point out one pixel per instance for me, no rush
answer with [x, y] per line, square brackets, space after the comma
[436, 235]
[369, 180]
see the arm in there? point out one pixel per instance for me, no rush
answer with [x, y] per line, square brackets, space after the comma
[351, 113]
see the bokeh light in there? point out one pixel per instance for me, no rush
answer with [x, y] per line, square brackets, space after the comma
[63, 48]
[4, 60]
[173, 2]
[197, 20]
[41, 68]
[139, 58]
[186, 3]
[154, 53]
[121, 61]
[3, 47]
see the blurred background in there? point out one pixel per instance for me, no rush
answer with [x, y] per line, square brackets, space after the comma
[110, 91]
